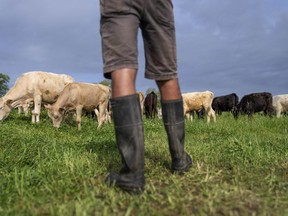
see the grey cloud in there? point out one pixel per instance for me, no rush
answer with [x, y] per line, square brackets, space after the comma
[233, 45]
[223, 45]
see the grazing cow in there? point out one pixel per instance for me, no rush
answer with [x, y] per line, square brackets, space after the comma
[280, 104]
[78, 97]
[225, 103]
[197, 101]
[41, 86]
[255, 102]
[150, 105]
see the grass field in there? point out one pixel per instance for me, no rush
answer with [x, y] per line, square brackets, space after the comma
[240, 168]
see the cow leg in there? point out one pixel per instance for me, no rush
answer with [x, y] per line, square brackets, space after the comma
[159, 113]
[213, 115]
[173, 119]
[102, 111]
[37, 109]
[189, 116]
[20, 110]
[210, 113]
[207, 111]
[26, 110]
[78, 116]
[142, 109]
[96, 111]
[278, 113]
[108, 116]
[150, 112]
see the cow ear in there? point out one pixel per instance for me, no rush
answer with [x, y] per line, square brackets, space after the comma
[9, 103]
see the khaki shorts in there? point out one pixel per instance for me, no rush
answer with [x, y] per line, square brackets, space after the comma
[120, 20]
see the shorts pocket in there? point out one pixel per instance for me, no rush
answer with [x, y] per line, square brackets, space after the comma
[115, 6]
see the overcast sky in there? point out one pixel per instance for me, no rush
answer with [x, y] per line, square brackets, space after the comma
[223, 46]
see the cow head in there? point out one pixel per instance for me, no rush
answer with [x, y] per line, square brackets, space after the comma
[56, 114]
[5, 108]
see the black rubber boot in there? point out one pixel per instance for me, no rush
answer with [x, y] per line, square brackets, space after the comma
[174, 122]
[129, 133]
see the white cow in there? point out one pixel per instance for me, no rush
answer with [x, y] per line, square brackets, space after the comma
[39, 85]
[196, 101]
[280, 104]
[78, 97]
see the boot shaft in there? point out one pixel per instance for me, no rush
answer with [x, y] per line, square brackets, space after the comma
[129, 133]
[126, 110]
[174, 122]
[172, 112]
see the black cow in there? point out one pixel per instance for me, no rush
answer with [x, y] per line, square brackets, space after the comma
[150, 105]
[225, 103]
[255, 102]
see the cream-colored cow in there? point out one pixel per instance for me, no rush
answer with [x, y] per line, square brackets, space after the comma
[37, 85]
[280, 104]
[77, 97]
[196, 101]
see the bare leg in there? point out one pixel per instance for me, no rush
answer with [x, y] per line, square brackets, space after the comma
[123, 82]
[169, 89]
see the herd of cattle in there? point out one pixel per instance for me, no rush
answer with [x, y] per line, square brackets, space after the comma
[61, 96]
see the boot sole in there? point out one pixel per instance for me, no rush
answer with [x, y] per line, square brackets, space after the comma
[186, 168]
[114, 180]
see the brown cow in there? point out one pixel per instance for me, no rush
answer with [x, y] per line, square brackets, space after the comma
[150, 105]
[78, 97]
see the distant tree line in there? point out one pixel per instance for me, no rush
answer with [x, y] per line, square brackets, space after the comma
[4, 80]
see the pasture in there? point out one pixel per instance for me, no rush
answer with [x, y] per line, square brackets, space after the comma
[240, 168]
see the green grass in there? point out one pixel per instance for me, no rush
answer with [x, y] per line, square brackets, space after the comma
[240, 168]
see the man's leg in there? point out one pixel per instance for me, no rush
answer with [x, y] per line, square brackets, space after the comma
[123, 82]
[173, 118]
[128, 130]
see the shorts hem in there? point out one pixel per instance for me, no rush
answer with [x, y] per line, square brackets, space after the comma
[161, 76]
[109, 69]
